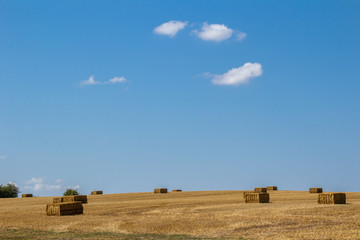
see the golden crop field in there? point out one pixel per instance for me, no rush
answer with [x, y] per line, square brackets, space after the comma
[214, 214]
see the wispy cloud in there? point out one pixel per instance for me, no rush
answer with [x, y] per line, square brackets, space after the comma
[237, 76]
[240, 36]
[214, 32]
[170, 28]
[91, 81]
[38, 184]
[2, 157]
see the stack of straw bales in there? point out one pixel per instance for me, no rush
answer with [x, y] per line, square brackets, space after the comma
[177, 190]
[245, 192]
[315, 190]
[25, 195]
[64, 208]
[160, 190]
[271, 188]
[332, 198]
[257, 197]
[260, 190]
[96, 192]
[75, 198]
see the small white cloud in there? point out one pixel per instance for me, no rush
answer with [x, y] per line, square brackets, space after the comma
[3, 157]
[90, 81]
[240, 75]
[241, 36]
[59, 180]
[76, 187]
[113, 80]
[214, 32]
[170, 28]
[117, 80]
[38, 184]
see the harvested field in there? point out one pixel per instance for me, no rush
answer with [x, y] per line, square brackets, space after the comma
[290, 215]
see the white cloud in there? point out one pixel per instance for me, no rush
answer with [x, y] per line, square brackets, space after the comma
[117, 80]
[38, 184]
[240, 75]
[241, 36]
[90, 81]
[214, 32]
[170, 28]
[76, 187]
[3, 157]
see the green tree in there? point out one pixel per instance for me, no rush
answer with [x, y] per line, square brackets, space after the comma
[70, 192]
[9, 191]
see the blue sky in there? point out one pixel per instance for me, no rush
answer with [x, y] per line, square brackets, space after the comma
[126, 96]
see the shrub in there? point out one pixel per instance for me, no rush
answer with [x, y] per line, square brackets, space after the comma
[9, 191]
[70, 192]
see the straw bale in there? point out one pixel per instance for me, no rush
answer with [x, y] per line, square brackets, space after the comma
[271, 188]
[177, 190]
[75, 198]
[160, 190]
[315, 190]
[65, 208]
[332, 198]
[257, 197]
[260, 190]
[26, 195]
[245, 192]
[96, 192]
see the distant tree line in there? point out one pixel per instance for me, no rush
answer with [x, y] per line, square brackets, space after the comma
[9, 190]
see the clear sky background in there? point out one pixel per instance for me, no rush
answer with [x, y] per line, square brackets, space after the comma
[93, 96]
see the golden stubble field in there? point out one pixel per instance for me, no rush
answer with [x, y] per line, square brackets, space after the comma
[290, 215]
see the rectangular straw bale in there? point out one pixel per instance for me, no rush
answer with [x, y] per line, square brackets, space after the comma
[177, 190]
[160, 190]
[75, 198]
[315, 190]
[26, 195]
[67, 208]
[260, 190]
[96, 192]
[257, 197]
[245, 192]
[332, 198]
[271, 188]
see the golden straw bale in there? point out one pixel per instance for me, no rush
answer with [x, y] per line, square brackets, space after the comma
[332, 198]
[271, 188]
[160, 190]
[25, 195]
[260, 190]
[177, 190]
[257, 197]
[245, 192]
[75, 198]
[96, 192]
[67, 208]
[315, 190]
